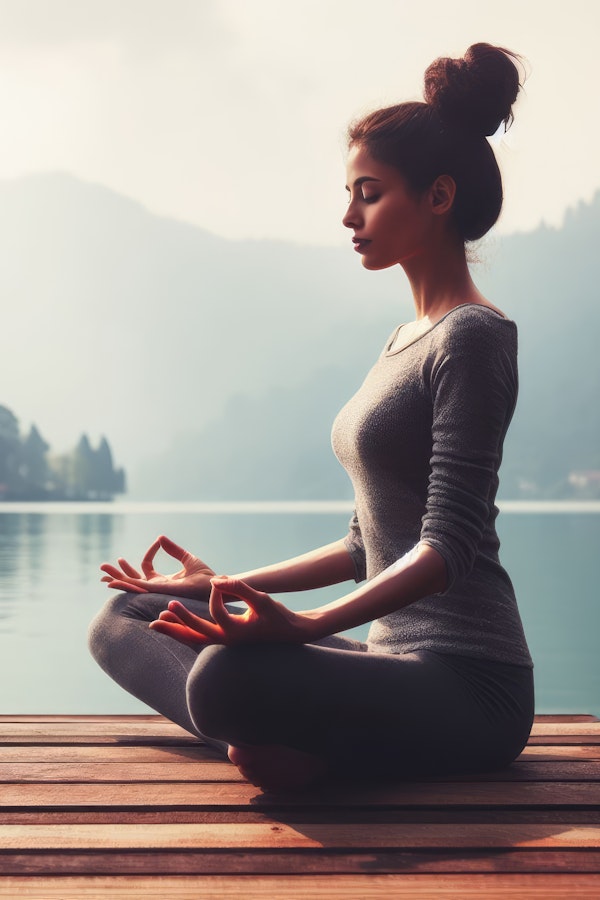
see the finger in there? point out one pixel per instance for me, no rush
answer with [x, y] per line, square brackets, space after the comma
[217, 609]
[181, 633]
[111, 570]
[256, 600]
[167, 616]
[180, 553]
[171, 588]
[195, 622]
[148, 560]
[127, 586]
[128, 569]
[173, 549]
[169, 546]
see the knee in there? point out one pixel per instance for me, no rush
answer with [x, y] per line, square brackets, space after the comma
[220, 693]
[105, 627]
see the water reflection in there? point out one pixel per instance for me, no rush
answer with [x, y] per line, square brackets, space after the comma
[95, 535]
[39, 552]
[10, 550]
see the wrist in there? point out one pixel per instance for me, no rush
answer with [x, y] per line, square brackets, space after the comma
[314, 625]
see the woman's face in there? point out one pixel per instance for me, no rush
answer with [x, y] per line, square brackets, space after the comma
[391, 222]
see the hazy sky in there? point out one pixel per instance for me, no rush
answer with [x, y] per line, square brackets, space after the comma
[230, 113]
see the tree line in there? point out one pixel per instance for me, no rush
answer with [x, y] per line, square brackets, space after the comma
[29, 471]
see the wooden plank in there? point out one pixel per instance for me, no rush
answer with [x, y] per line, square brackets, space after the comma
[150, 753]
[549, 740]
[196, 752]
[200, 771]
[566, 717]
[536, 770]
[126, 773]
[310, 835]
[308, 887]
[69, 717]
[122, 738]
[557, 752]
[158, 730]
[304, 862]
[554, 817]
[217, 795]
[139, 753]
[168, 734]
[567, 724]
[568, 727]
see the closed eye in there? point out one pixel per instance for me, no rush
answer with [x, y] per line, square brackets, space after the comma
[371, 198]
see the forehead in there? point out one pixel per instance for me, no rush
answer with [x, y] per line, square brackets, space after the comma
[361, 165]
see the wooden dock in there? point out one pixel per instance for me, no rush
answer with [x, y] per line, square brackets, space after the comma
[132, 806]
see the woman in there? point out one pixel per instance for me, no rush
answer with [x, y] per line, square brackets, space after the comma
[444, 683]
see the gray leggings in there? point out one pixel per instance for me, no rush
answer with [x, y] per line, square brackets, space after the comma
[363, 712]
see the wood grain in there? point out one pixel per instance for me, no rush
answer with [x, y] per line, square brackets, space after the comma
[128, 806]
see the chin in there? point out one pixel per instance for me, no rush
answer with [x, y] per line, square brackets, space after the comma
[374, 265]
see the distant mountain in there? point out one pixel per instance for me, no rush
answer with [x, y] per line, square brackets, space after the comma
[218, 366]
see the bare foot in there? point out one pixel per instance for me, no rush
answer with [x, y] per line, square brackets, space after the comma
[274, 767]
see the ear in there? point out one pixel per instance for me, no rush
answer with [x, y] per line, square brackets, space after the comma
[442, 193]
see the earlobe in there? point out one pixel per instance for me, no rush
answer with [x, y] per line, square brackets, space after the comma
[442, 193]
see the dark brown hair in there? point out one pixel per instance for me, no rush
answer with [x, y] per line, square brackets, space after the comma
[465, 100]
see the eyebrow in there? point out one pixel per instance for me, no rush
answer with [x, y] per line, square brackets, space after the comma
[362, 180]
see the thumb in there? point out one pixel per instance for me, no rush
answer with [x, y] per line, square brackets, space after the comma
[235, 587]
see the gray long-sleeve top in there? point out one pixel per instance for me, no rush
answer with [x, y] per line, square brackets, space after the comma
[422, 443]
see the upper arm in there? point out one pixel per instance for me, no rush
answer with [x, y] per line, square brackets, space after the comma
[473, 389]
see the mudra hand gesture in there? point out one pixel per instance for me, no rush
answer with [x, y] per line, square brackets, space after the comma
[192, 580]
[265, 619]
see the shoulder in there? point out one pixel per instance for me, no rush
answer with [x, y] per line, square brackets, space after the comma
[474, 351]
[475, 328]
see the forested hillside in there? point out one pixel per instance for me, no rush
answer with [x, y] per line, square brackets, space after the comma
[29, 471]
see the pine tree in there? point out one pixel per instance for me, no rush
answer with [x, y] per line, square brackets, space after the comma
[10, 452]
[82, 470]
[103, 470]
[34, 465]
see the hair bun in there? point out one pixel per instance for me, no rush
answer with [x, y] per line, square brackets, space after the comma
[475, 93]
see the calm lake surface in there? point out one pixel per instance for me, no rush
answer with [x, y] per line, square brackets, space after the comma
[50, 588]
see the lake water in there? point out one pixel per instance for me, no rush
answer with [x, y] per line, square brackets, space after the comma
[50, 588]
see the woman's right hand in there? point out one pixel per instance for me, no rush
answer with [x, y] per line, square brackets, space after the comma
[192, 580]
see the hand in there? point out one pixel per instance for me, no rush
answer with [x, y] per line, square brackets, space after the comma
[193, 580]
[264, 620]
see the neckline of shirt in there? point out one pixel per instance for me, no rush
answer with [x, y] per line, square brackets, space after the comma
[389, 350]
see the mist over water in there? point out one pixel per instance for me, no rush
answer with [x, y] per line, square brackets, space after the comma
[50, 588]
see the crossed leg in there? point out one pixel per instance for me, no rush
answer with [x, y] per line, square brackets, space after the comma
[288, 714]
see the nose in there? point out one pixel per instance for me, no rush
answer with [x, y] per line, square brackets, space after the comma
[352, 217]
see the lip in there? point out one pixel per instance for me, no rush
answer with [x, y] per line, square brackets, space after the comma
[360, 244]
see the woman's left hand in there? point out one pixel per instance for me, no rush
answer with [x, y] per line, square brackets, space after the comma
[265, 620]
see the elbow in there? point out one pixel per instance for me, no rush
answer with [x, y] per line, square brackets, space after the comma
[439, 580]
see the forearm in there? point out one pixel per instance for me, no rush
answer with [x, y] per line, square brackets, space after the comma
[331, 564]
[419, 574]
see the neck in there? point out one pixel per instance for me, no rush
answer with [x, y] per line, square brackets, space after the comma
[440, 280]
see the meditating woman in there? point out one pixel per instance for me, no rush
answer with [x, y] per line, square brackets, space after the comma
[444, 682]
